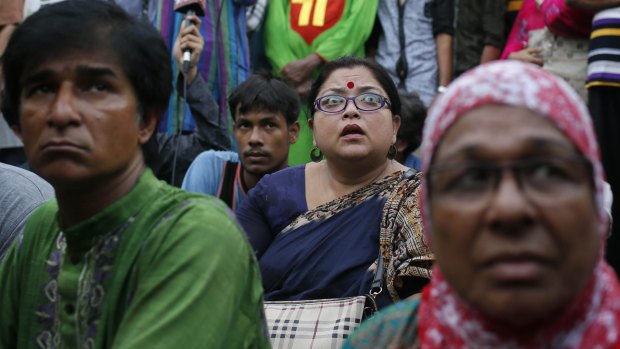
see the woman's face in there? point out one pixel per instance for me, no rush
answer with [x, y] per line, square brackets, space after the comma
[352, 134]
[514, 224]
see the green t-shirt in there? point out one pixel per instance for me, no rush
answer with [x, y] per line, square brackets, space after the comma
[159, 268]
[296, 29]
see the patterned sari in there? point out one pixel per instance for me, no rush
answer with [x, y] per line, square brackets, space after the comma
[331, 251]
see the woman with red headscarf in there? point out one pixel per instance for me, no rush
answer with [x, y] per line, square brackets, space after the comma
[514, 212]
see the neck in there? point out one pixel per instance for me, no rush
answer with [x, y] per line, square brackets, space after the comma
[77, 203]
[249, 180]
[345, 179]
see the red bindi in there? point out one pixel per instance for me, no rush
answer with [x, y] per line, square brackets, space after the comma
[350, 84]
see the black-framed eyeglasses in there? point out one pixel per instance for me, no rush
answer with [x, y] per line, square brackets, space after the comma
[364, 102]
[544, 180]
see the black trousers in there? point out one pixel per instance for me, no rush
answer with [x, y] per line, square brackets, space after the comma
[604, 103]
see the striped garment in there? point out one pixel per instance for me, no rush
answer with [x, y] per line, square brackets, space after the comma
[224, 63]
[604, 56]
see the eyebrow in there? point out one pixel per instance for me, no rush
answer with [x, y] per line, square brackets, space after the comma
[94, 72]
[84, 71]
[344, 89]
[537, 145]
[270, 117]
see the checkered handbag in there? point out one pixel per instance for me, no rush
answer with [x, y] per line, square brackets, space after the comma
[320, 323]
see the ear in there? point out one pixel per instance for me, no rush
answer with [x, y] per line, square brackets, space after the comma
[311, 123]
[146, 127]
[395, 126]
[235, 117]
[293, 132]
[401, 145]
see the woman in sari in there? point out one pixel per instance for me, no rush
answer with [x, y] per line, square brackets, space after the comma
[318, 229]
[514, 200]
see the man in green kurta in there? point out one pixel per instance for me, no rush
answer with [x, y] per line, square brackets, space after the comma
[301, 34]
[119, 259]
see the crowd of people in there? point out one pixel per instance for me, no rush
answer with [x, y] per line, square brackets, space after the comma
[148, 203]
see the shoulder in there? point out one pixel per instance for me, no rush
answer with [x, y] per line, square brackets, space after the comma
[205, 172]
[201, 217]
[407, 185]
[291, 174]
[43, 216]
[277, 198]
[23, 184]
[196, 230]
[40, 227]
[184, 205]
[219, 156]
[287, 179]
[395, 326]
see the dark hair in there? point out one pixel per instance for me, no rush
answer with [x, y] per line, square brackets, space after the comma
[348, 62]
[262, 92]
[85, 26]
[412, 117]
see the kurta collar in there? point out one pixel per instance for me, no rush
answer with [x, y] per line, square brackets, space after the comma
[82, 236]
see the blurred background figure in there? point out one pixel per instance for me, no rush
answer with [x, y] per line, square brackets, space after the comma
[224, 63]
[415, 44]
[256, 29]
[172, 154]
[409, 136]
[514, 205]
[11, 147]
[603, 84]
[559, 46]
[512, 9]
[21, 192]
[479, 34]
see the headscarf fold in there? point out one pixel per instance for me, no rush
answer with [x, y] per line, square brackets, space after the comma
[592, 319]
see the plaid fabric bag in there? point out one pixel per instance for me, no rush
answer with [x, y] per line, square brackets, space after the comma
[319, 323]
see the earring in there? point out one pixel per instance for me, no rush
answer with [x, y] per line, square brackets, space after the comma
[315, 154]
[392, 152]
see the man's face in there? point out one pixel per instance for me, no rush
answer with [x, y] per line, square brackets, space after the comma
[79, 120]
[263, 139]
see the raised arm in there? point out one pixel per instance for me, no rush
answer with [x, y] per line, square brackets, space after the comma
[443, 30]
[493, 26]
[212, 133]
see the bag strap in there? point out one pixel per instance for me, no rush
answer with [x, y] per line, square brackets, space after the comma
[370, 305]
[377, 283]
[228, 183]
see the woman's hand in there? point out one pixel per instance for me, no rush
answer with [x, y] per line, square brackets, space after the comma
[531, 55]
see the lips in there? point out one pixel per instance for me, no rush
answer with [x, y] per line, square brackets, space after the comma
[255, 154]
[351, 129]
[61, 145]
[516, 267]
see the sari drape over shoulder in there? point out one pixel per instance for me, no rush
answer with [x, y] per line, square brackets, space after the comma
[331, 251]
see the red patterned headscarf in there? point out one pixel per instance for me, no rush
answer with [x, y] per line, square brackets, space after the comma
[592, 320]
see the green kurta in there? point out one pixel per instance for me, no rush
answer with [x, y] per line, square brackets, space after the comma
[159, 268]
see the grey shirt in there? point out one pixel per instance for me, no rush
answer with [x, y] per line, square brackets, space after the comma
[21, 192]
[421, 21]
